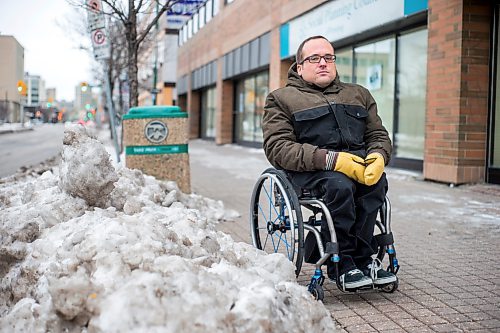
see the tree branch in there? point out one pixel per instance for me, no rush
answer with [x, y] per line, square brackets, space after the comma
[163, 9]
[117, 11]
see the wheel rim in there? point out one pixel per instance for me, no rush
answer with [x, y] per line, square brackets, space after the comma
[272, 218]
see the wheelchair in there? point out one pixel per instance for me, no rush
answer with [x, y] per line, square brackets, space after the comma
[278, 224]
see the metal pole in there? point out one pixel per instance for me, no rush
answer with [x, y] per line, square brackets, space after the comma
[21, 110]
[154, 92]
[111, 112]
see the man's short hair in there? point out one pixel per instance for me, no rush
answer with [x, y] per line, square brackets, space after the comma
[298, 56]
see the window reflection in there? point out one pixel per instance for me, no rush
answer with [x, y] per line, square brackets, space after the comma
[251, 94]
[412, 84]
[208, 113]
[344, 65]
[375, 70]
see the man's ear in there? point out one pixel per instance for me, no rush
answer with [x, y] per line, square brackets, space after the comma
[299, 69]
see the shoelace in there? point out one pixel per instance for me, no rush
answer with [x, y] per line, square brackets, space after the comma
[374, 268]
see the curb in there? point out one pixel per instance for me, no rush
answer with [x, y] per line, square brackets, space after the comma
[17, 130]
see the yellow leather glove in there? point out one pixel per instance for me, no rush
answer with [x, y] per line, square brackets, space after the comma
[350, 165]
[375, 164]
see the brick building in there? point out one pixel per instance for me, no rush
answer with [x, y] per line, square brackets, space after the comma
[430, 64]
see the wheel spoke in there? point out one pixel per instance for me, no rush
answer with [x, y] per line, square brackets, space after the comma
[270, 198]
[275, 225]
[265, 242]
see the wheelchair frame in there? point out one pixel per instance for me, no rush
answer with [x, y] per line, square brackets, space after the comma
[280, 208]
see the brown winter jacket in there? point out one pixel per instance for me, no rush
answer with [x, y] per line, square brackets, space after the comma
[302, 122]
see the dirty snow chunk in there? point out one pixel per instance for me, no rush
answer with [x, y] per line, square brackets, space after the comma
[70, 296]
[86, 170]
[166, 270]
[22, 317]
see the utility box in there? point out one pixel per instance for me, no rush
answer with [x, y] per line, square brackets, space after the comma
[156, 142]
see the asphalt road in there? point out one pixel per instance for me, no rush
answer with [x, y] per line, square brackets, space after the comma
[28, 148]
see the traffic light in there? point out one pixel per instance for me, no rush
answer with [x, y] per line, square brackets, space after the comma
[91, 114]
[84, 86]
[21, 88]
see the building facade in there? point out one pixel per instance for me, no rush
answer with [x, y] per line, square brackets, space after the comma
[431, 66]
[35, 90]
[11, 72]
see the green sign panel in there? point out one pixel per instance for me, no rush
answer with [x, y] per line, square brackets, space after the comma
[149, 150]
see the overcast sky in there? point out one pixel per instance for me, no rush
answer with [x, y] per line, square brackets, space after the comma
[51, 45]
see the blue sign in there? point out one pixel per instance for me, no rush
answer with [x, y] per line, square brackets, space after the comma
[185, 7]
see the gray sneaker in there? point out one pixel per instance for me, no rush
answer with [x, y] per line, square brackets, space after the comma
[354, 279]
[378, 275]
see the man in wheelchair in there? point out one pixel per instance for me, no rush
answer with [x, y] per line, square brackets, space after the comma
[328, 137]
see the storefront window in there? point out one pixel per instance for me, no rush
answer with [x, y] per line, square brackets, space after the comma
[344, 64]
[374, 68]
[208, 113]
[412, 83]
[251, 94]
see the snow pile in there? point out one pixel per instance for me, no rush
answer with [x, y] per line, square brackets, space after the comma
[123, 252]
[92, 180]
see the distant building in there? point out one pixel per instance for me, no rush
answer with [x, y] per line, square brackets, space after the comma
[36, 94]
[11, 72]
[51, 96]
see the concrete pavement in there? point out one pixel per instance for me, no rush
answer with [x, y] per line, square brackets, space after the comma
[447, 241]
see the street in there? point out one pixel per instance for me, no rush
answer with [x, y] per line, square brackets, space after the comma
[29, 147]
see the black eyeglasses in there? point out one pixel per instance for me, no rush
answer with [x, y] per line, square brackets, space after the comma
[314, 59]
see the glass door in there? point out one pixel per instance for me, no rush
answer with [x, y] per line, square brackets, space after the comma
[251, 93]
[208, 113]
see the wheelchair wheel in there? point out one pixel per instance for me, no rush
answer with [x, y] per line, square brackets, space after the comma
[275, 217]
[318, 293]
[391, 287]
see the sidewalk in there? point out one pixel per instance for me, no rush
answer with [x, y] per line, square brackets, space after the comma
[447, 240]
[6, 128]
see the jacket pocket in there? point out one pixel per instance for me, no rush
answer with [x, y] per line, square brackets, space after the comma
[356, 123]
[316, 126]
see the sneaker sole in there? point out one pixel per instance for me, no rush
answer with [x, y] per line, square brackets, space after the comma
[358, 284]
[386, 280]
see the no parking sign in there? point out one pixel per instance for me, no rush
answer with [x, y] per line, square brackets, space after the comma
[97, 29]
[100, 43]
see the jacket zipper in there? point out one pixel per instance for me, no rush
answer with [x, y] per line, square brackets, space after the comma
[336, 119]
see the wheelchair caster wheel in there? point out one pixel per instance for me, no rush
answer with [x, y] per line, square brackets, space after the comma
[391, 287]
[318, 293]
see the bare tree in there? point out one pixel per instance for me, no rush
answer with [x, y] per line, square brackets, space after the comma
[138, 19]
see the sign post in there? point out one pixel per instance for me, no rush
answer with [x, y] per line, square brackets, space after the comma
[98, 36]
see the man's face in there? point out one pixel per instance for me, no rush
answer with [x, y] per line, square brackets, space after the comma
[322, 73]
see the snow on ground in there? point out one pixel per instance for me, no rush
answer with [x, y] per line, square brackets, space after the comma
[86, 247]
